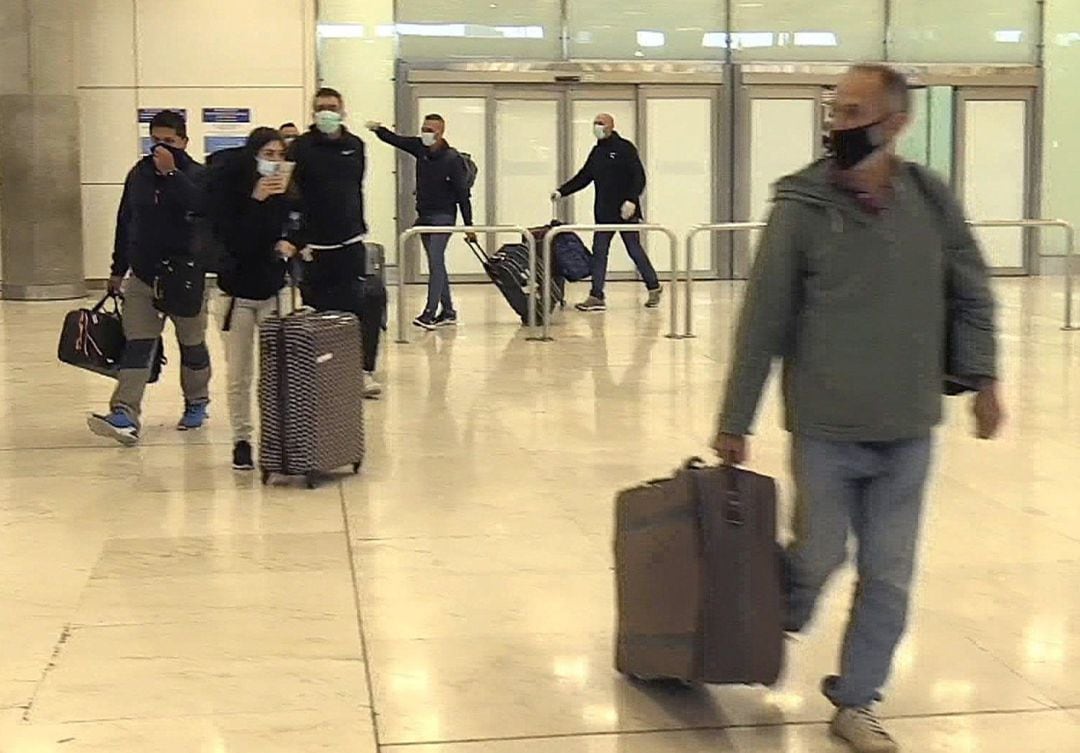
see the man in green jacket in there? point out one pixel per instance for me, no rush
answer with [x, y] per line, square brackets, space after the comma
[870, 288]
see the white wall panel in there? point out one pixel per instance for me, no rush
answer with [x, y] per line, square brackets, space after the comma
[679, 170]
[994, 168]
[105, 42]
[108, 134]
[99, 227]
[214, 43]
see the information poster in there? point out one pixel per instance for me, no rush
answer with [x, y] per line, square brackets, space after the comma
[146, 114]
[225, 127]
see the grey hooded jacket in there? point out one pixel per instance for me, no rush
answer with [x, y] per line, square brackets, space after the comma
[866, 311]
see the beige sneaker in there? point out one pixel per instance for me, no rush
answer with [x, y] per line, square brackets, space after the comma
[863, 731]
[373, 389]
[654, 298]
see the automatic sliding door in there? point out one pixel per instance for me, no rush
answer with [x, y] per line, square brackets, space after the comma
[683, 130]
[527, 160]
[780, 133]
[993, 169]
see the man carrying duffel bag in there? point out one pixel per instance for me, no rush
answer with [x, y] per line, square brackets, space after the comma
[155, 238]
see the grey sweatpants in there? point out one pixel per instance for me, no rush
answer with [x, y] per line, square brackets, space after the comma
[875, 491]
[143, 325]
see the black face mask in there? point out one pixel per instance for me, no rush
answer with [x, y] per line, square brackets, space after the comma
[851, 146]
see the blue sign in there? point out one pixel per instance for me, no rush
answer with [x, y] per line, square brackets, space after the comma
[226, 115]
[146, 114]
[213, 144]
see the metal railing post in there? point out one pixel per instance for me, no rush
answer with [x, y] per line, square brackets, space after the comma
[418, 230]
[1070, 250]
[718, 227]
[673, 282]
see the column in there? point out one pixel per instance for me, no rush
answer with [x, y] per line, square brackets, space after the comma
[40, 196]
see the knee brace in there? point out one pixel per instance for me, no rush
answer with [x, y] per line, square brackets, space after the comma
[138, 354]
[195, 357]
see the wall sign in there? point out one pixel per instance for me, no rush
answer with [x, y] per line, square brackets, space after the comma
[225, 127]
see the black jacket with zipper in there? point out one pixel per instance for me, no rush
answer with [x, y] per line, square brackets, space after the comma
[441, 185]
[157, 216]
[330, 176]
[615, 167]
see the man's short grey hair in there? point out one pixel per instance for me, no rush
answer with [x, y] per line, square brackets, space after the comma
[893, 81]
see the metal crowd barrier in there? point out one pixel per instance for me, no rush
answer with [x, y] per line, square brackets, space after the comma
[1070, 255]
[549, 239]
[417, 230]
[1070, 251]
[717, 227]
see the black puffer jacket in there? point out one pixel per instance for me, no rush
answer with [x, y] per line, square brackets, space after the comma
[615, 167]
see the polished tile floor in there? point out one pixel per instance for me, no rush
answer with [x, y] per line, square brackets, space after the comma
[457, 596]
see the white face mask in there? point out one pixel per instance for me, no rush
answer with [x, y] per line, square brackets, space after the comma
[428, 138]
[267, 167]
[599, 131]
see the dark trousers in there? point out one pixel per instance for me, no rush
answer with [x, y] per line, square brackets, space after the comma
[366, 298]
[632, 241]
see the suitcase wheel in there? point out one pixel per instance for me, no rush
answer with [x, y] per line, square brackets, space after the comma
[355, 468]
[265, 477]
[310, 480]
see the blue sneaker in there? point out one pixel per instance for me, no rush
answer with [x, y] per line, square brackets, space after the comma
[117, 426]
[195, 415]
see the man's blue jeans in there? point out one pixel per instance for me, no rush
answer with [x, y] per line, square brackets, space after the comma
[874, 490]
[438, 279]
[632, 240]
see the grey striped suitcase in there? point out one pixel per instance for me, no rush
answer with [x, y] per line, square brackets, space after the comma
[311, 394]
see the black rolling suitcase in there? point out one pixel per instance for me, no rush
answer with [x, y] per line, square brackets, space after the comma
[508, 268]
[311, 394]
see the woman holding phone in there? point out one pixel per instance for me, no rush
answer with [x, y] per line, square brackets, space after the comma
[259, 222]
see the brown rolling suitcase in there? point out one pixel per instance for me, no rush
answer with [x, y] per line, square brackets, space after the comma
[698, 576]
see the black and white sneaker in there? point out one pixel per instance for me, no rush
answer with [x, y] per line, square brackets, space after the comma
[425, 321]
[446, 319]
[242, 459]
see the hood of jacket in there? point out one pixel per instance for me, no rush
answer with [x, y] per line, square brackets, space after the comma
[816, 186]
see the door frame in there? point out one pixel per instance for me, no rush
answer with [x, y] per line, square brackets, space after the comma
[961, 96]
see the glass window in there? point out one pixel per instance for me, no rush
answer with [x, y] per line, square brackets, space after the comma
[645, 29]
[448, 29]
[964, 31]
[840, 30]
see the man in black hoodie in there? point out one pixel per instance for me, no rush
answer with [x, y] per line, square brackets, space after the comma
[161, 203]
[442, 185]
[616, 169]
[330, 164]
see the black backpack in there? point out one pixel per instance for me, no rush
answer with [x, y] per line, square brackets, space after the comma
[471, 170]
[209, 235]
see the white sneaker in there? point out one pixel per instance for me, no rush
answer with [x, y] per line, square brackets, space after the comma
[863, 731]
[372, 388]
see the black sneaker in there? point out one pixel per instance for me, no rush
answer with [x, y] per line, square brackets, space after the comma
[425, 321]
[446, 319]
[241, 457]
